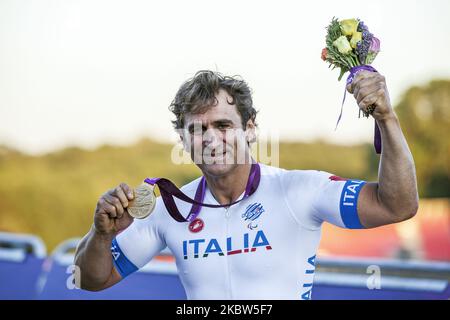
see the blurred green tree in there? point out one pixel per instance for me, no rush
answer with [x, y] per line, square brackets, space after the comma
[424, 113]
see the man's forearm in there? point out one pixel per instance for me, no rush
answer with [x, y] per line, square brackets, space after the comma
[93, 256]
[397, 184]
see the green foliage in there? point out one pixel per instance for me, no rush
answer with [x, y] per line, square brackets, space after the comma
[54, 195]
[424, 114]
[336, 59]
[345, 161]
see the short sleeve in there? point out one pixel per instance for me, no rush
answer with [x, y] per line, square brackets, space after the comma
[318, 196]
[336, 201]
[134, 247]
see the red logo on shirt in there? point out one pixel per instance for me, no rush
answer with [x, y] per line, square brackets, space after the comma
[196, 225]
[337, 178]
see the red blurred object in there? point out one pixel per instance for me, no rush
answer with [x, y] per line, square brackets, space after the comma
[426, 236]
[323, 56]
[337, 178]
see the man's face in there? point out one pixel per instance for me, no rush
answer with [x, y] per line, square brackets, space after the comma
[216, 139]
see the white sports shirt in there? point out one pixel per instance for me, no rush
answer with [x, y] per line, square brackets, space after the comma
[261, 248]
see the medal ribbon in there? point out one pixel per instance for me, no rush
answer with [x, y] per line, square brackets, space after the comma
[351, 76]
[169, 190]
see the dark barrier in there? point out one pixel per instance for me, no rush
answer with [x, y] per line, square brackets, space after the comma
[157, 280]
[336, 278]
[21, 258]
[348, 278]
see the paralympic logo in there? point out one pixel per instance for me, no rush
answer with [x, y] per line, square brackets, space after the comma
[253, 212]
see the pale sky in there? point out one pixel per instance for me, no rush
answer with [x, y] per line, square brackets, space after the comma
[101, 71]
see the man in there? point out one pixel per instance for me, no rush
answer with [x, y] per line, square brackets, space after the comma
[264, 246]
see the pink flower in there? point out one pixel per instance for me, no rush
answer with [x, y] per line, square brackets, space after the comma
[373, 50]
[375, 45]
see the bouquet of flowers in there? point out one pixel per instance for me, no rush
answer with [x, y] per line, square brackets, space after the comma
[351, 47]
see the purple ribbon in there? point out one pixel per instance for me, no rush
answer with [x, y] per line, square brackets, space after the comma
[169, 190]
[351, 76]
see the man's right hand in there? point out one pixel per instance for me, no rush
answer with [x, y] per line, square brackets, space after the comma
[111, 215]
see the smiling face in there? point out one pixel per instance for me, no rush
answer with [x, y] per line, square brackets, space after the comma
[215, 138]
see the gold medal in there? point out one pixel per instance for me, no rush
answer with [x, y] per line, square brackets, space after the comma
[144, 201]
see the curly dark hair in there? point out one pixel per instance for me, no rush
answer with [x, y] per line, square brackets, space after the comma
[197, 94]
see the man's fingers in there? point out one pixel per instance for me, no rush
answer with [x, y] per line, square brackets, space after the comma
[114, 201]
[366, 87]
[360, 76]
[107, 208]
[369, 100]
[120, 193]
[350, 88]
[364, 74]
[127, 190]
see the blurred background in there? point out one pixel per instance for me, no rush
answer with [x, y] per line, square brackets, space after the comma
[85, 88]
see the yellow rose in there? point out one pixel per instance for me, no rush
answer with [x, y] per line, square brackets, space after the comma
[343, 45]
[349, 26]
[357, 36]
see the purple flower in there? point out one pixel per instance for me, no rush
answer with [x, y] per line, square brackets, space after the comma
[362, 47]
[373, 50]
[375, 45]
